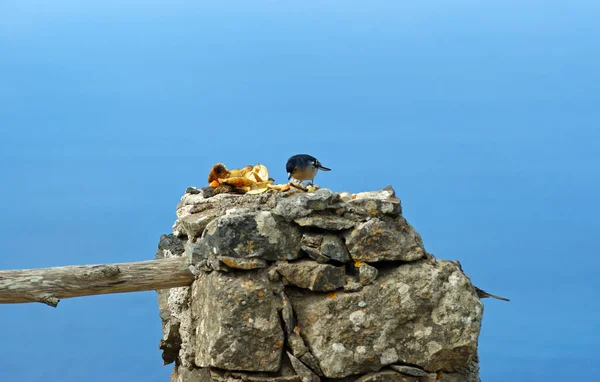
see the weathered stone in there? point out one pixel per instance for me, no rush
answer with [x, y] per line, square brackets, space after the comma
[328, 222]
[333, 247]
[366, 273]
[192, 190]
[296, 344]
[172, 244]
[184, 374]
[417, 313]
[287, 313]
[194, 224]
[304, 203]
[458, 377]
[384, 194]
[351, 284]
[384, 239]
[314, 276]
[244, 301]
[302, 370]
[195, 253]
[376, 207]
[409, 370]
[170, 344]
[345, 196]
[309, 360]
[235, 376]
[178, 229]
[242, 263]
[254, 235]
[386, 376]
[315, 254]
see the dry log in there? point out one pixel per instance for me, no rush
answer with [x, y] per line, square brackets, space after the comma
[49, 285]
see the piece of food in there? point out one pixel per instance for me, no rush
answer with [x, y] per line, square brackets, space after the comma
[219, 171]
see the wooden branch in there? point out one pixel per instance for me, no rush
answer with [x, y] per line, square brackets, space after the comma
[49, 285]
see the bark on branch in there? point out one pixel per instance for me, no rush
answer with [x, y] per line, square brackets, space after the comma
[49, 285]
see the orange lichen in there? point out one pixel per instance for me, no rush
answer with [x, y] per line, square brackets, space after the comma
[332, 295]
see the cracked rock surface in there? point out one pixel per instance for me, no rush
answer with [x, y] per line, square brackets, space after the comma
[306, 287]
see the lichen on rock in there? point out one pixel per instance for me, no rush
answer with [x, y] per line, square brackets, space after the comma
[310, 286]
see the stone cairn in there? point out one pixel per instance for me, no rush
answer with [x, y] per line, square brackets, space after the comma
[313, 286]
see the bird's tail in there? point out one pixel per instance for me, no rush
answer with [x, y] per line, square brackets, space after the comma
[483, 294]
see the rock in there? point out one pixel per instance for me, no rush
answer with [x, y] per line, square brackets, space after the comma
[334, 248]
[324, 247]
[302, 370]
[172, 244]
[296, 344]
[304, 203]
[366, 273]
[194, 224]
[245, 303]
[422, 314]
[383, 194]
[328, 222]
[253, 235]
[345, 196]
[351, 284]
[242, 263]
[309, 360]
[315, 254]
[287, 313]
[184, 374]
[409, 370]
[384, 239]
[314, 276]
[386, 376]
[170, 344]
[375, 207]
[458, 377]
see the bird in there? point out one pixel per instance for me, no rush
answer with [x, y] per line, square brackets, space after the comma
[483, 294]
[480, 292]
[303, 167]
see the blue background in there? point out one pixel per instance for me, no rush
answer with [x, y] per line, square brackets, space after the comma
[484, 116]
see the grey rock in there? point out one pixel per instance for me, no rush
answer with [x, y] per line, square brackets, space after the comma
[409, 370]
[194, 224]
[459, 377]
[325, 247]
[386, 376]
[237, 320]
[375, 207]
[327, 222]
[302, 370]
[196, 253]
[422, 314]
[303, 204]
[253, 235]
[384, 194]
[314, 276]
[367, 273]
[242, 263]
[315, 254]
[170, 344]
[296, 344]
[384, 239]
[184, 374]
[171, 243]
[311, 361]
[333, 247]
[287, 313]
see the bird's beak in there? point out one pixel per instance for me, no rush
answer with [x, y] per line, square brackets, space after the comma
[289, 175]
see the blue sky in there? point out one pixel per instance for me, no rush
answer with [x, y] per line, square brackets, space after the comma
[484, 116]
